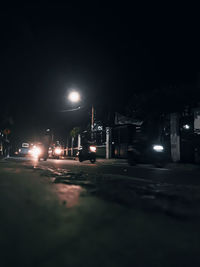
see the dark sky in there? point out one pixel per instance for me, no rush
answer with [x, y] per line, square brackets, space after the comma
[107, 53]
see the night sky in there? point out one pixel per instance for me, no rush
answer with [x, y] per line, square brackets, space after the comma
[108, 54]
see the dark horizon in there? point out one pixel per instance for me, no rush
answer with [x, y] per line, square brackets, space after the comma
[107, 54]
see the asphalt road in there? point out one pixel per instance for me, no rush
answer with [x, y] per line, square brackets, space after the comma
[66, 213]
[171, 173]
[174, 190]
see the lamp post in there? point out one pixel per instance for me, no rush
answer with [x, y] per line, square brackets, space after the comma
[75, 97]
[92, 123]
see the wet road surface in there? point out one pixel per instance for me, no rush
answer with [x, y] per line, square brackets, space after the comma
[171, 175]
[173, 191]
[66, 213]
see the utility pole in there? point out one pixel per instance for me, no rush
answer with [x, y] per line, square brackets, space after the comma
[79, 141]
[108, 143]
[175, 137]
[72, 147]
[92, 123]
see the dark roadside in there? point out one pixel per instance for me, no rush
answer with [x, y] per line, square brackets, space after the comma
[168, 165]
[68, 219]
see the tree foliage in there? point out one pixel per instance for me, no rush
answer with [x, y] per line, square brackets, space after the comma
[74, 132]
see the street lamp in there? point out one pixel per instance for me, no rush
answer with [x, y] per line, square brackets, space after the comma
[74, 97]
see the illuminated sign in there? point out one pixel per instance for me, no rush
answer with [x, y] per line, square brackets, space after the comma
[25, 145]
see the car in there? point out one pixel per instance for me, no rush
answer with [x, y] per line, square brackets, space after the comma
[24, 150]
[145, 152]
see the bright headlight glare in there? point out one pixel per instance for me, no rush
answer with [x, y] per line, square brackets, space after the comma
[93, 148]
[158, 148]
[36, 152]
[186, 126]
[58, 151]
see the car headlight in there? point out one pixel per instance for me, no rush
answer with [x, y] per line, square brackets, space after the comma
[58, 151]
[158, 148]
[186, 127]
[93, 148]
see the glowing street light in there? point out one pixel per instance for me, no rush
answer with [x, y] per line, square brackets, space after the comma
[74, 97]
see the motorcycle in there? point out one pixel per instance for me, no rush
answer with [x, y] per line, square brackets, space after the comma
[87, 153]
[57, 152]
[39, 152]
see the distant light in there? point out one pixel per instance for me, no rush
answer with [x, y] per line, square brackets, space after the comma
[58, 151]
[158, 148]
[100, 128]
[186, 127]
[93, 148]
[74, 97]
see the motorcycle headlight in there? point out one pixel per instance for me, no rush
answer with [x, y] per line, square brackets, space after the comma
[158, 148]
[36, 151]
[58, 151]
[93, 148]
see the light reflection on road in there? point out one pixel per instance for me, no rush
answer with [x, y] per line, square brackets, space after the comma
[68, 194]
